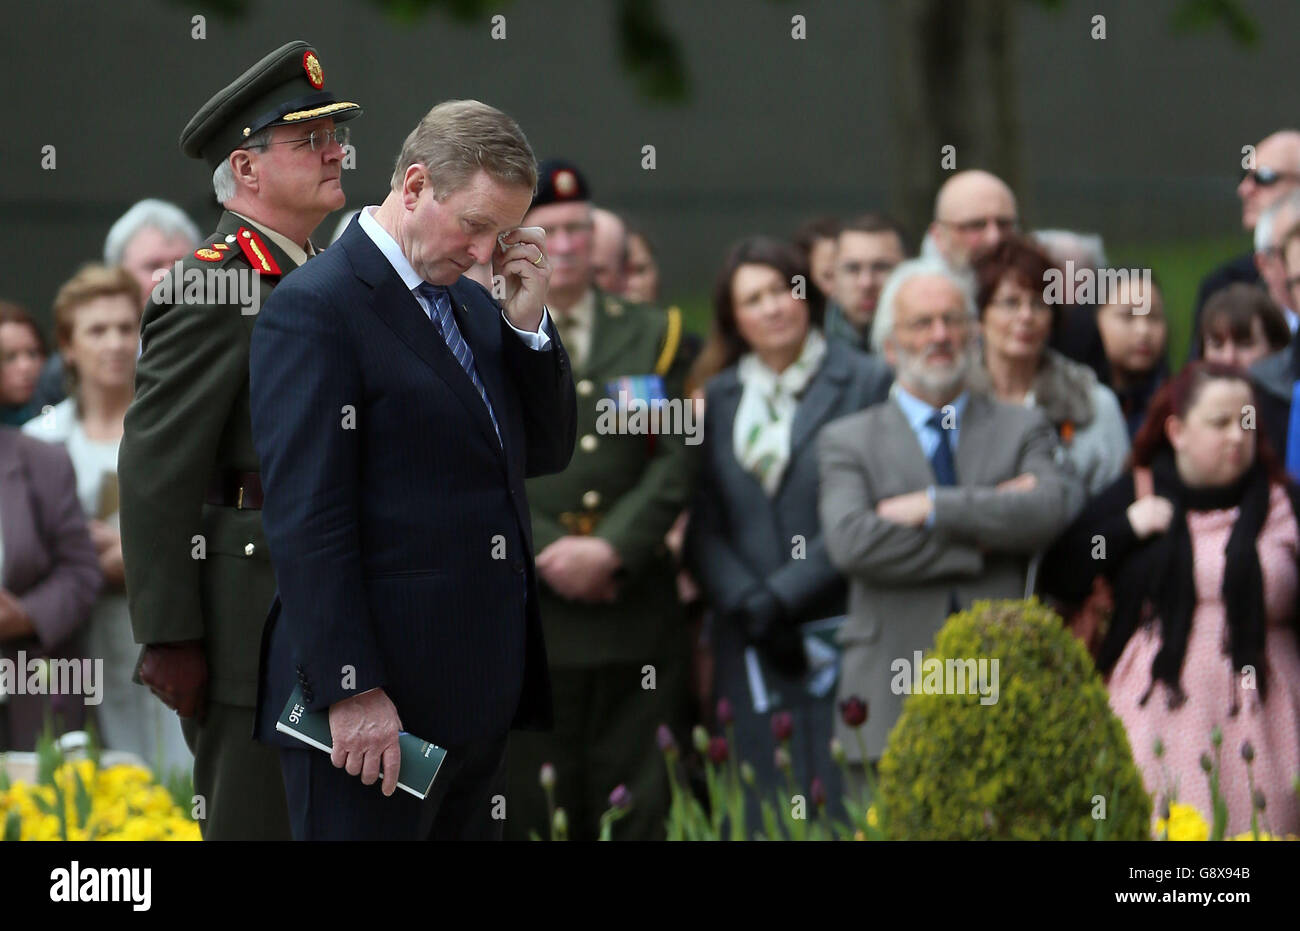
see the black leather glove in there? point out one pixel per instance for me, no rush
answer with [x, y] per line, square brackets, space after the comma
[765, 625]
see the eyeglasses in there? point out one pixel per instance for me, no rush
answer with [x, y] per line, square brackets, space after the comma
[1005, 225]
[1267, 177]
[321, 138]
[1012, 304]
[953, 321]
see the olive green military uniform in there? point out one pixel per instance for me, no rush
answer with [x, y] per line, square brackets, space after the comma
[197, 564]
[627, 489]
[197, 570]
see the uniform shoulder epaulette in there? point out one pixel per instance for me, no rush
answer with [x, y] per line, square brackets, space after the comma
[246, 242]
[672, 341]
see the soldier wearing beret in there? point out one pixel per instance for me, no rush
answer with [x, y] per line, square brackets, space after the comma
[616, 636]
[198, 574]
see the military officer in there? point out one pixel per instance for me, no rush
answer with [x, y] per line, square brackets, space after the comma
[198, 575]
[615, 634]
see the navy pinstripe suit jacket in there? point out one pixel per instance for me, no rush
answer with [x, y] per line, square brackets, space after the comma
[398, 525]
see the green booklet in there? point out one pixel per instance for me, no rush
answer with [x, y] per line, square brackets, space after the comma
[420, 759]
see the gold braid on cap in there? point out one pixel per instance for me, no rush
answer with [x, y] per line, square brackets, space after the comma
[318, 111]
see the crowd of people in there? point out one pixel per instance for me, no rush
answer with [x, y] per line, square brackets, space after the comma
[891, 431]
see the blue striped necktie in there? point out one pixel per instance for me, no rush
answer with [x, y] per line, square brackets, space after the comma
[945, 469]
[446, 323]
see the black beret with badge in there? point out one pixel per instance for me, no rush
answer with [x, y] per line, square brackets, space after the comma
[284, 88]
[559, 181]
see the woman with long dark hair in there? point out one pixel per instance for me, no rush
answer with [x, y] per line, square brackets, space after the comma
[755, 543]
[1204, 573]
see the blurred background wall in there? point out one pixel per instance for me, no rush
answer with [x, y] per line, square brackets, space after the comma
[1137, 136]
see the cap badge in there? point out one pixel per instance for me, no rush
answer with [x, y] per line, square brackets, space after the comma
[566, 185]
[315, 74]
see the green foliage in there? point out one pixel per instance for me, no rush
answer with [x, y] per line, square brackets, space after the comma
[13, 827]
[1231, 15]
[1025, 768]
[48, 755]
[179, 783]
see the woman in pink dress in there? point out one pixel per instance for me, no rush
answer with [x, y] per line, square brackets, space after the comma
[1204, 572]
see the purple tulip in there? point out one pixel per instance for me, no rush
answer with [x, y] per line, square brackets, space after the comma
[818, 792]
[620, 799]
[547, 776]
[718, 751]
[782, 725]
[667, 743]
[853, 711]
[725, 714]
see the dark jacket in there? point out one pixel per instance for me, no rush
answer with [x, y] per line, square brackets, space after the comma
[1274, 378]
[739, 537]
[397, 523]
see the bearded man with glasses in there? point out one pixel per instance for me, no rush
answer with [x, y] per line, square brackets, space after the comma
[199, 578]
[1268, 173]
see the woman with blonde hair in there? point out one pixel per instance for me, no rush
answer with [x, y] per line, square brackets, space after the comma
[97, 327]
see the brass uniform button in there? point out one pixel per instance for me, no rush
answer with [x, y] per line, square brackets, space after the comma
[248, 549]
[588, 443]
[585, 387]
[591, 500]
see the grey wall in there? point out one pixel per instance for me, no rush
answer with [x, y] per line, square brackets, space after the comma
[1137, 136]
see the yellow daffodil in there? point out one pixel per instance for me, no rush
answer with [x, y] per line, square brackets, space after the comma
[1184, 823]
[125, 804]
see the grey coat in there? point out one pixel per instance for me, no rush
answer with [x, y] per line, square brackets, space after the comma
[902, 579]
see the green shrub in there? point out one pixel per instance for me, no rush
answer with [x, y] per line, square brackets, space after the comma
[1029, 766]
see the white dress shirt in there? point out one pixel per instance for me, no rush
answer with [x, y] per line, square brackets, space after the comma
[387, 245]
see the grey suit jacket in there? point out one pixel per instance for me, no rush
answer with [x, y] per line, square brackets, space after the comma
[739, 537]
[902, 579]
[50, 566]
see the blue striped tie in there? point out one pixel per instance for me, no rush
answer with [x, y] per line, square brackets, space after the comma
[446, 322]
[941, 460]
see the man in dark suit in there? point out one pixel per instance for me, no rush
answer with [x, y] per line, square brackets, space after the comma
[198, 579]
[397, 409]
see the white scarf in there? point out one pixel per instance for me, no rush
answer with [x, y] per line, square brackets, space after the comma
[768, 402]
